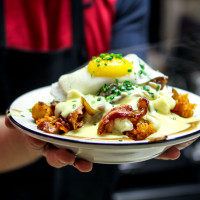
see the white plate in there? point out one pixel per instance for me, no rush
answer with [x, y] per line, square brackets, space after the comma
[107, 152]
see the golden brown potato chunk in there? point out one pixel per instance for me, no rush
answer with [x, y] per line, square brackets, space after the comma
[40, 110]
[183, 107]
[142, 130]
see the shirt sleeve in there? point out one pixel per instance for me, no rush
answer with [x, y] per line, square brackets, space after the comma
[130, 29]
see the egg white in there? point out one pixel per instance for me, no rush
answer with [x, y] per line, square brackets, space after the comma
[85, 83]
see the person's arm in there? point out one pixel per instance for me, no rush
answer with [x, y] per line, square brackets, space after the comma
[13, 153]
[18, 150]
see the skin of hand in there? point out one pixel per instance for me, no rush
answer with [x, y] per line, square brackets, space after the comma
[174, 153]
[55, 157]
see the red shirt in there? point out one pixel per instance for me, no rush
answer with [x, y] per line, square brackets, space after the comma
[46, 25]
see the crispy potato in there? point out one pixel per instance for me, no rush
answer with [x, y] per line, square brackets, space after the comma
[41, 110]
[183, 107]
[45, 119]
[142, 130]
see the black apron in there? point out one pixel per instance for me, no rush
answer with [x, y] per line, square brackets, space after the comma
[22, 71]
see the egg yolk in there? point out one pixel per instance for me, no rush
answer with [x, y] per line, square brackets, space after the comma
[109, 65]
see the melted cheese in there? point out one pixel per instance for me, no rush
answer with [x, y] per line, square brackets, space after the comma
[122, 125]
[66, 107]
[165, 122]
[167, 125]
[163, 104]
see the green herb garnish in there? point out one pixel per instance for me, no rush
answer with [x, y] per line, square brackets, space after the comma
[129, 70]
[158, 88]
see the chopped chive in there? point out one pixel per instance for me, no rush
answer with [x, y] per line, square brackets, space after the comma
[158, 88]
[152, 94]
[113, 89]
[118, 92]
[120, 85]
[140, 72]
[118, 56]
[129, 70]
[98, 60]
[99, 99]
[107, 56]
[146, 88]
[142, 66]
[112, 97]
[92, 74]
[74, 106]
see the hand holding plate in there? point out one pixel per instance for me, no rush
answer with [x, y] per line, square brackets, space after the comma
[55, 157]
[174, 153]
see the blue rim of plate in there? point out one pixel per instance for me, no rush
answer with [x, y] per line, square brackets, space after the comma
[64, 138]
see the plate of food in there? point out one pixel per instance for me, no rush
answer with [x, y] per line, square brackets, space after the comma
[114, 110]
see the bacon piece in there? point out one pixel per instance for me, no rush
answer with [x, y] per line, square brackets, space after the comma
[122, 112]
[72, 122]
[47, 127]
[161, 80]
[76, 118]
[53, 105]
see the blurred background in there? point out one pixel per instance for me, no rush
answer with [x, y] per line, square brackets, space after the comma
[175, 50]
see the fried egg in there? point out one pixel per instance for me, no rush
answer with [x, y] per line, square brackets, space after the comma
[102, 70]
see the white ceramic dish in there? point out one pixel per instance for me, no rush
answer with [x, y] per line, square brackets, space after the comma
[107, 152]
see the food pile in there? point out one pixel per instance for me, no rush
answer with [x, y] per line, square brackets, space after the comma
[114, 97]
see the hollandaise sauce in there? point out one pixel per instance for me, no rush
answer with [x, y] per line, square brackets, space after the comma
[159, 113]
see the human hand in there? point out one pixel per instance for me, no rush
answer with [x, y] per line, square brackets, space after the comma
[55, 157]
[174, 153]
